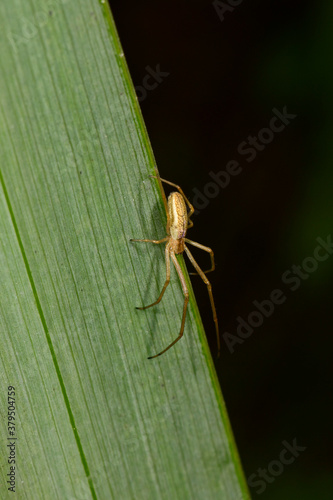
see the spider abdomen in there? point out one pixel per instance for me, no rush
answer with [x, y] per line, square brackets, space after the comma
[177, 216]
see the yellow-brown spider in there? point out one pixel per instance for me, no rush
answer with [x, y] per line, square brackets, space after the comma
[178, 222]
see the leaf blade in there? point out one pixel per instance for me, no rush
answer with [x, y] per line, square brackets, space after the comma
[77, 159]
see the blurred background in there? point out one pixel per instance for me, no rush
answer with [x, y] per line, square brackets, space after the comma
[211, 76]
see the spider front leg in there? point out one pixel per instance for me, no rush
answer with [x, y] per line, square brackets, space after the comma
[205, 249]
[210, 293]
[167, 281]
[186, 299]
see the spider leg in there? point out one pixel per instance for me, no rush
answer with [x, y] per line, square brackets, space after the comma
[209, 287]
[190, 206]
[186, 295]
[157, 242]
[205, 249]
[167, 281]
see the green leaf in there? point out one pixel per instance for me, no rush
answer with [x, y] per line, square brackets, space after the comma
[93, 417]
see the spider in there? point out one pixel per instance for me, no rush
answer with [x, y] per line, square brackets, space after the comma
[178, 222]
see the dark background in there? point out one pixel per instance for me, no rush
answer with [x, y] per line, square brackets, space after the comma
[225, 78]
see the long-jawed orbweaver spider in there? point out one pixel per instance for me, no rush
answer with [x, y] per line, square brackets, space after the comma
[178, 222]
